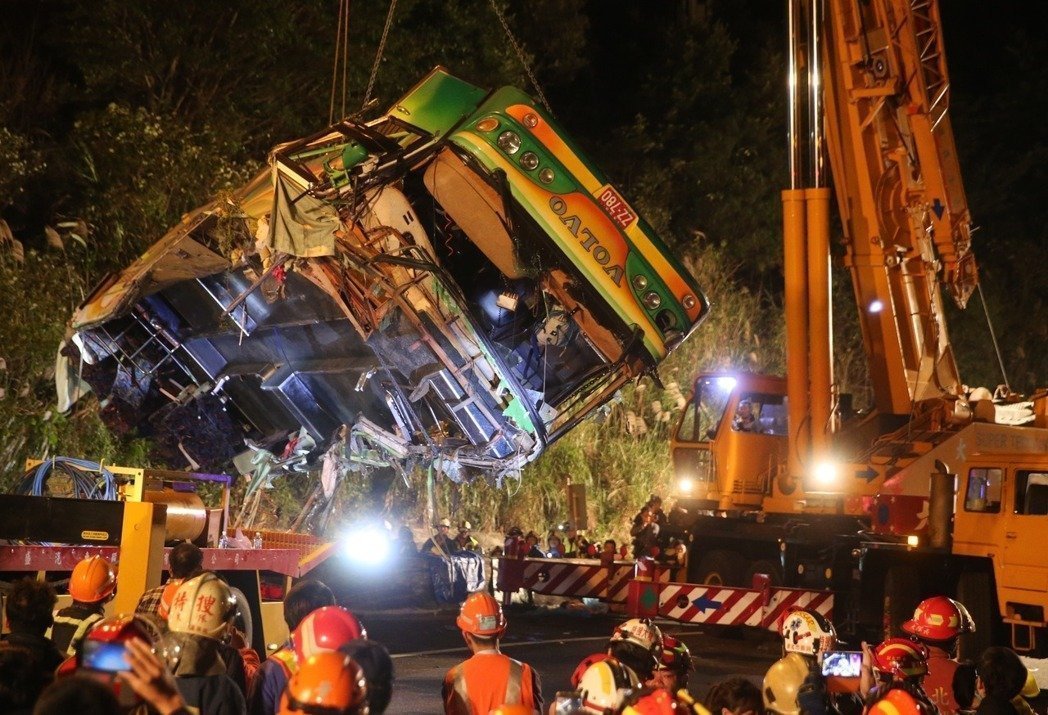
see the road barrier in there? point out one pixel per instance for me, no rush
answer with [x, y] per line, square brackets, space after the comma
[575, 578]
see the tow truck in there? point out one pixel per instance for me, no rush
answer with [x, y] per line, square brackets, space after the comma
[936, 489]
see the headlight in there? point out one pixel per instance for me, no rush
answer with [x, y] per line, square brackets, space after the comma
[367, 545]
[688, 302]
[652, 300]
[509, 142]
[685, 485]
[546, 175]
[825, 473]
[488, 124]
[640, 281]
[530, 120]
[529, 160]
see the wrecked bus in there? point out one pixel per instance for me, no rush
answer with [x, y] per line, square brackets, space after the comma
[452, 284]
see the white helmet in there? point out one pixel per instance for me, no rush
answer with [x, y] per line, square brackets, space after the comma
[640, 632]
[202, 606]
[605, 686]
[807, 633]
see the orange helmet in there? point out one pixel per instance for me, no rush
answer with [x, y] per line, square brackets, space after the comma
[93, 580]
[896, 702]
[659, 701]
[481, 615]
[327, 683]
[939, 619]
[325, 629]
[901, 658]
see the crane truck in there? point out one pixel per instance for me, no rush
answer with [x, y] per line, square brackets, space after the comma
[936, 489]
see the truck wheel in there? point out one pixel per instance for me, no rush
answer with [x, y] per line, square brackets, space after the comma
[901, 596]
[720, 568]
[975, 590]
[766, 566]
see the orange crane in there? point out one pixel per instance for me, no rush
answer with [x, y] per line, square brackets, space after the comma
[933, 489]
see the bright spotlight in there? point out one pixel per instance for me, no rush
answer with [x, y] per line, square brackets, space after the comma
[367, 545]
[825, 472]
[913, 541]
[876, 306]
[726, 383]
[685, 485]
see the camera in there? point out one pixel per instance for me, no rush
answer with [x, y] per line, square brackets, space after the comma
[842, 663]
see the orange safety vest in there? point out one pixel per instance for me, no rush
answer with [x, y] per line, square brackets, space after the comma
[485, 681]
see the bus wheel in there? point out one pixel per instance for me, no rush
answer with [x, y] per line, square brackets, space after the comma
[720, 568]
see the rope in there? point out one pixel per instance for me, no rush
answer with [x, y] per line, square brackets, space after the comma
[379, 53]
[522, 56]
[90, 479]
[993, 337]
[341, 53]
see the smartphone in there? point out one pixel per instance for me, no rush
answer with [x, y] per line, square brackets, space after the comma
[104, 657]
[842, 663]
[568, 703]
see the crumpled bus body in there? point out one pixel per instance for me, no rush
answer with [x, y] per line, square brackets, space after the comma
[450, 284]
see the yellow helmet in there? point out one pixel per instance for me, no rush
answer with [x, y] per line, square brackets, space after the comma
[782, 682]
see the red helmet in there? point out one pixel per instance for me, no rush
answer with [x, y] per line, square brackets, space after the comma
[327, 628]
[901, 658]
[675, 656]
[939, 619]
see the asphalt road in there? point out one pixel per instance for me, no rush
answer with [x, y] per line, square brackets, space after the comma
[553, 641]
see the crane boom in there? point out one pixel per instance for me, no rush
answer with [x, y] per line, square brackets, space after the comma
[899, 191]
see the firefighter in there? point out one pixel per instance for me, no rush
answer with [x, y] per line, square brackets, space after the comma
[327, 682]
[464, 539]
[636, 644]
[488, 679]
[899, 664]
[91, 586]
[937, 623]
[202, 615]
[674, 666]
[805, 636]
[606, 686]
[325, 629]
[105, 645]
[303, 598]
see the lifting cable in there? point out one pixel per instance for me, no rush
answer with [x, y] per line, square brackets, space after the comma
[521, 55]
[341, 57]
[379, 52]
[993, 337]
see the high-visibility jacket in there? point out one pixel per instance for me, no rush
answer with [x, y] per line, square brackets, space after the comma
[487, 680]
[72, 624]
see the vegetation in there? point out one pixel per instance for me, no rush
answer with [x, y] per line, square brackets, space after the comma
[118, 116]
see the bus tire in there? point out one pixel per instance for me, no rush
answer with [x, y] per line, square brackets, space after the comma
[720, 568]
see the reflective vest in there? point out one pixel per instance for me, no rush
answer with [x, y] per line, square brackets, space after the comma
[486, 681]
[72, 624]
[286, 659]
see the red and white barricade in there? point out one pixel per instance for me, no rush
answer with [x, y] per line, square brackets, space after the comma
[761, 606]
[576, 578]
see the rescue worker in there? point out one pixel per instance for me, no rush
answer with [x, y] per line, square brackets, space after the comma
[464, 540]
[636, 644]
[440, 544]
[532, 546]
[328, 682]
[488, 679]
[937, 623]
[201, 616]
[91, 586]
[805, 636]
[606, 686]
[661, 702]
[514, 547]
[303, 598]
[674, 667]
[106, 643]
[186, 561]
[899, 665]
[28, 614]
